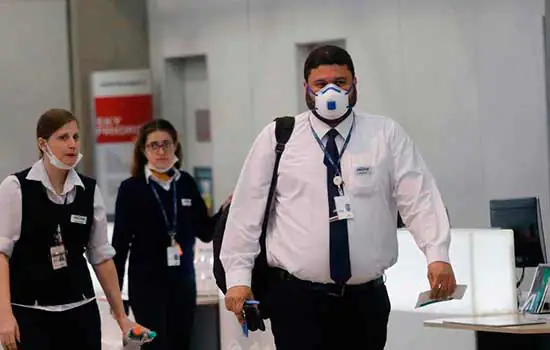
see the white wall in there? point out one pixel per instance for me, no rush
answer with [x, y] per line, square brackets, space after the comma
[34, 74]
[464, 77]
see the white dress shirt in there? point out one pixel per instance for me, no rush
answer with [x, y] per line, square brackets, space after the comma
[382, 171]
[99, 248]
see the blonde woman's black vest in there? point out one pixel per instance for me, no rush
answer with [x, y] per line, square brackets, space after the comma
[32, 277]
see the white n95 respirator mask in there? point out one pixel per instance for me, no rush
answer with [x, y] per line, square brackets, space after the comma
[332, 102]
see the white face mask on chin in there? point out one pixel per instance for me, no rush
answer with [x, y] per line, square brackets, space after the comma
[163, 170]
[332, 102]
[59, 164]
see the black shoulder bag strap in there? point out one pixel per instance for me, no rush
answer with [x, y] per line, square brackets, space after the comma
[283, 130]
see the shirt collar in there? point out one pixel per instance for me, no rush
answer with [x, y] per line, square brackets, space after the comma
[38, 173]
[321, 129]
[149, 175]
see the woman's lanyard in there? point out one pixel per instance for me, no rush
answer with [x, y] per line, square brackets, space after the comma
[335, 163]
[58, 237]
[58, 254]
[173, 226]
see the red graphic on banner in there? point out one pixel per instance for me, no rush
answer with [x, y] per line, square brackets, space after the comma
[120, 118]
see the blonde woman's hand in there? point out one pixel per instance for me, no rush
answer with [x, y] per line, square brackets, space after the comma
[9, 331]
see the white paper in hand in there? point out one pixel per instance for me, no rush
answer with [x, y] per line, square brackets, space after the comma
[424, 297]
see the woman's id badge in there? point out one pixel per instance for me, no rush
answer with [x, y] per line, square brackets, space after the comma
[173, 256]
[59, 257]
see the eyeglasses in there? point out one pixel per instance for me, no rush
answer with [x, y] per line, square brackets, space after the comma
[155, 146]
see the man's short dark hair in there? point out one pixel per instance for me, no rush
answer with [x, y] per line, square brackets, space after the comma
[328, 55]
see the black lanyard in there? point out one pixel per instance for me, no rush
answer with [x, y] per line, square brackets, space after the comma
[171, 228]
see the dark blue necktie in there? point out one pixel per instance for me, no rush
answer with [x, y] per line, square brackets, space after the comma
[340, 266]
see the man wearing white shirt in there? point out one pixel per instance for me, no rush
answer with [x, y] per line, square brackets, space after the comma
[342, 179]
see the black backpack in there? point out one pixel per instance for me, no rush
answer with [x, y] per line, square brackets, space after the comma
[261, 270]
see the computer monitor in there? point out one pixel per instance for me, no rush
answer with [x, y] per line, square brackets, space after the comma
[522, 215]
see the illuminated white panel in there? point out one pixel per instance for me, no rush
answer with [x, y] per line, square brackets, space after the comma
[483, 259]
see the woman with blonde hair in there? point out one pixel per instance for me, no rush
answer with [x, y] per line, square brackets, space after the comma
[50, 216]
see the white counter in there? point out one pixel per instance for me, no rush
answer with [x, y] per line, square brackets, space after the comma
[482, 258]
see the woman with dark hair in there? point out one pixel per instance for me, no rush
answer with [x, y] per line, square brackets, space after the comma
[50, 215]
[159, 212]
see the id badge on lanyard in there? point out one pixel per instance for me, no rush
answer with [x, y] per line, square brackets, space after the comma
[58, 253]
[173, 251]
[343, 207]
[341, 202]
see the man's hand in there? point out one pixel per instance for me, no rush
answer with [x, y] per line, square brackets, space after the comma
[442, 280]
[235, 298]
